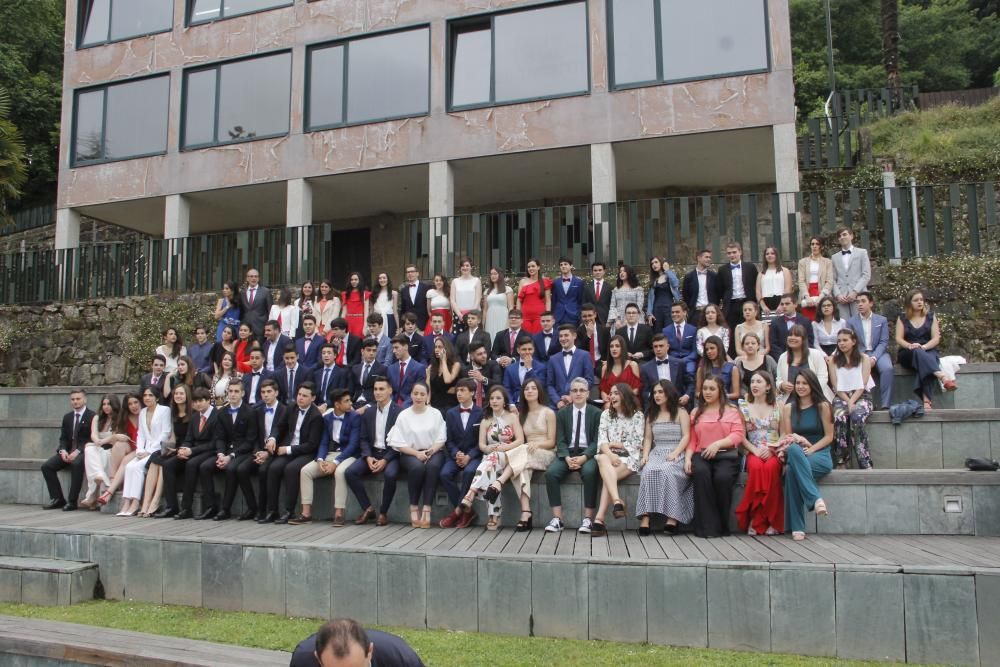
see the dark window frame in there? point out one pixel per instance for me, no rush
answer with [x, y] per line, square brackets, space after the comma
[658, 37]
[189, 10]
[345, 43]
[74, 162]
[83, 15]
[486, 20]
[217, 66]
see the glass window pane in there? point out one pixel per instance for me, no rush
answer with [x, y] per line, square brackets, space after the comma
[199, 108]
[541, 53]
[471, 62]
[234, 7]
[254, 98]
[96, 29]
[326, 86]
[137, 118]
[205, 10]
[140, 17]
[388, 75]
[89, 122]
[703, 38]
[634, 34]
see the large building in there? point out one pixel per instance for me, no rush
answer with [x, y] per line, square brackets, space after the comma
[187, 117]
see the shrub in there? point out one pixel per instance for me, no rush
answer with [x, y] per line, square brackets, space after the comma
[152, 315]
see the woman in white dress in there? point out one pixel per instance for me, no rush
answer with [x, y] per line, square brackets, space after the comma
[154, 428]
[327, 307]
[714, 324]
[438, 303]
[419, 436]
[772, 281]
[497, 303]
[619, 446]
[466, 295]
[626, 291]
[827, 325]
[306, 303]
[383, 300]
[97, 453]
[220, 382]
[172, 349]
[285, 312]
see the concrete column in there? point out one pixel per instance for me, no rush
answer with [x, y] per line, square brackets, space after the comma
[603, 194]
[298, 203]
[67, 229]
[440, 209]
[786, 180]
[176, 217]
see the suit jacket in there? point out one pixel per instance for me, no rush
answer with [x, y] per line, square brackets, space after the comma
[778, 335]
[683, 383]
[256, 314]
[566, 304]
[565, 430]
[463, 342]
[603, 304]
[207, 440]
[749, 271]
[603, 338]
[383, 353]
[501, 343]
[357, 389]
[352, 354]
[239, 437]
[558, 379]
[287, 394]
[262, 433]
[512, 377]
[428, 349]
[367, 434]
[542, 353]
[70, 440]
[280, 345]
[643, 343]
[464, 439]
[685, 350]
[146, 382]
[825, 277]
[350, 437]
[310, 359]
[340, 378]
[689, 289]
[491, 371]
[310, 434]
[417, 307]
[401, 390]
[416, 347]
[855, 278]
[248, 383]
[880, 334]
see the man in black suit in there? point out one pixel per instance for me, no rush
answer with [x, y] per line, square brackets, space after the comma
[290, 377]
[415, 341]
[585, 337]
[73, 436]
[597, 292]
[663, 367]
[505, 342]
[256, 376]
[203, 442]
[737, 283]
[638, 336]
[309, 344]
[255, 303]
[363, 375]
[274, 345]
[237, 441]
[413, 296]
[270, 415]
[547, 340]
[376, 455]
[483, 370]
[473, 335]
[343, 641]
[155, 378]
[329, 376]
[299, 441]
[781, 325]
[701, 284]
[346, 348]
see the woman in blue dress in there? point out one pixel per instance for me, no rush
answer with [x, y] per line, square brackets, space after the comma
[227, 309]
[918, 335]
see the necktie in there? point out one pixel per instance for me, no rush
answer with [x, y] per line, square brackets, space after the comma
[326, 381]
[364, 374]
[253, 290]
[631, 336]
[154, 380]
[597, 292]
[680, 336]
[511, 335]
[579, 425]
[201, 423]
[291, 381]
[548, 342]
[76, 427]
[479, 394]
[402, 373]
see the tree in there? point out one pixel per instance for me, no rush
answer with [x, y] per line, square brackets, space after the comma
[890, 42]
[12, 166]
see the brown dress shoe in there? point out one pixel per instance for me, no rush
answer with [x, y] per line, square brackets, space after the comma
[450, 520]
[365, 517]
[468, 518]
[338, 520]
[382, 520]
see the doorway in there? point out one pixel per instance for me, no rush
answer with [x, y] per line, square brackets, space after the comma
[351, 251]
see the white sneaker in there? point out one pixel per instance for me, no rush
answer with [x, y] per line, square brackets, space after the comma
[751, 532]
[555, 526]
[585, 526]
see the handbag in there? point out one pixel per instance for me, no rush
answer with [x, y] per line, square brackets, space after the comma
[987, 465]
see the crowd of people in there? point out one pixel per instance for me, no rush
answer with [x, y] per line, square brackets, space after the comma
[475, 386]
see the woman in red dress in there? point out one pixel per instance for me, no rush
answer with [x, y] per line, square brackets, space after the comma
[619, 368]
[242, 349]
[762, 509]
[534, 297]
[355, 309]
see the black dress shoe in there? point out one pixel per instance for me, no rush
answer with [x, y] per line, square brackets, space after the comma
[222, 516]
[207, 514]
[69, 507]
[248, 515]
[183, 514]
[268, 518]
[285, 516]
[165, 513]
[54, 504]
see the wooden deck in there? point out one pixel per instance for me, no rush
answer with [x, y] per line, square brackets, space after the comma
[890, 550]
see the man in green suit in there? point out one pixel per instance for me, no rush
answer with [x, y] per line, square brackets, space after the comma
[576, 446]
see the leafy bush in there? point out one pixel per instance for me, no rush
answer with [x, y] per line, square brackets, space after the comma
[152, 315]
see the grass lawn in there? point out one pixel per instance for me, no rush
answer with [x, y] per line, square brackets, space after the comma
[438, 648]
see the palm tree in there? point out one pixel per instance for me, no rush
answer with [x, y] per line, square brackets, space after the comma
[13, 171]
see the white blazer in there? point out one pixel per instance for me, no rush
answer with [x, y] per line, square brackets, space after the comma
[149, 439]
[817, 364]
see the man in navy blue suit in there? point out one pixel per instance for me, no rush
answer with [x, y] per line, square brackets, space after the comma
[413, 338]
[256, 376]
[275, 344]
[363, 374]
[782, 324]
[662, 367]
[683, 337]
[873, 339]
[568, 364]
[329, 377]
[527, 366]
[383, 351]
[376, 455]
[308, 346]
[547, 340]
[462, 423]
[567, 294]
[404, 372]
[437, 331]
[290, 377]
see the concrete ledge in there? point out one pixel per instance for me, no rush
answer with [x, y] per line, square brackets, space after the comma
[46, 581]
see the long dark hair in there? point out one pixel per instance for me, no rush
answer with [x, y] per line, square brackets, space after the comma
[522, 404]
[611, 360]
[334, 292]
[378, 289]
[487, 408]
[654, 275]
[815, 393]
[444, 283]
[673, 401]
[501, 281]
[770, 396]
[629, 406]
[802, 356]
[123, 417]
[175, 352]
[360, 289]
[188, 378]
[541, 278]
[630, 277]
[109, 421]
[722, 400]
[819, 308]
[450, 356]
[187, 404]
[284, 297]
[720, 317]
[705, 364]
[849, 360]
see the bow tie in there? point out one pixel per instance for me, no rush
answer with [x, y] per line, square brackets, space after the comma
[337, 419]
[302, 413]
[566, 280]
[233, 411]
[256, 374]
[568, 354]
[413, 284]
[465, 410]
[660, 362]
[845, 252]
[269, 411]
[789, 318]
[734, 266]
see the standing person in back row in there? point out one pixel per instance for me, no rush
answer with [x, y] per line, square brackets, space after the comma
[851, 273]
[255, 303]
[413, 296]
[75, 433]
[567, 294]
[737, 283]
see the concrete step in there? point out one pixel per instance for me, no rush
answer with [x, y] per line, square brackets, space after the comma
[50, 402]
[46, 581]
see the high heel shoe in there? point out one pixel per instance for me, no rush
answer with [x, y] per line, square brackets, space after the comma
[425, 519]
[820, 508]
[105, 498]
[414, 518]
[523, 526]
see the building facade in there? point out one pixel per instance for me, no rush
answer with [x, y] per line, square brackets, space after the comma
[189, 117]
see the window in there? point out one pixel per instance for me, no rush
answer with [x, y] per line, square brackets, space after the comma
[120, 121]
[660, 41]
[103, 21]
[369, 78]
[519, 55]
[203, 11]
[239, 100]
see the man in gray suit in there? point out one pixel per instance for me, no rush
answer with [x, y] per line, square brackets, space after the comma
[873, 339]
[255, 302]
[851, 273]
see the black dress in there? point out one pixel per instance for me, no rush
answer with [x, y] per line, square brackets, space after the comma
[440, 398]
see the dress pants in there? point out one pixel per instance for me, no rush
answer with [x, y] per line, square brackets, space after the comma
[734, 316]
[292, 474]
[558, 471]
[422, 477]
[246, 469]
[175, 467]
[456, 480]
[713, 493]
[801, 493]
[312, 471]
[884, 373]
[207, 472]
[53, 466]
[355, 480]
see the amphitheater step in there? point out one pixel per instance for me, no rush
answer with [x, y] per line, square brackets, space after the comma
[46, 581]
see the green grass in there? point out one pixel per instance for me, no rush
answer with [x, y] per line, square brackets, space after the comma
[438, 648]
